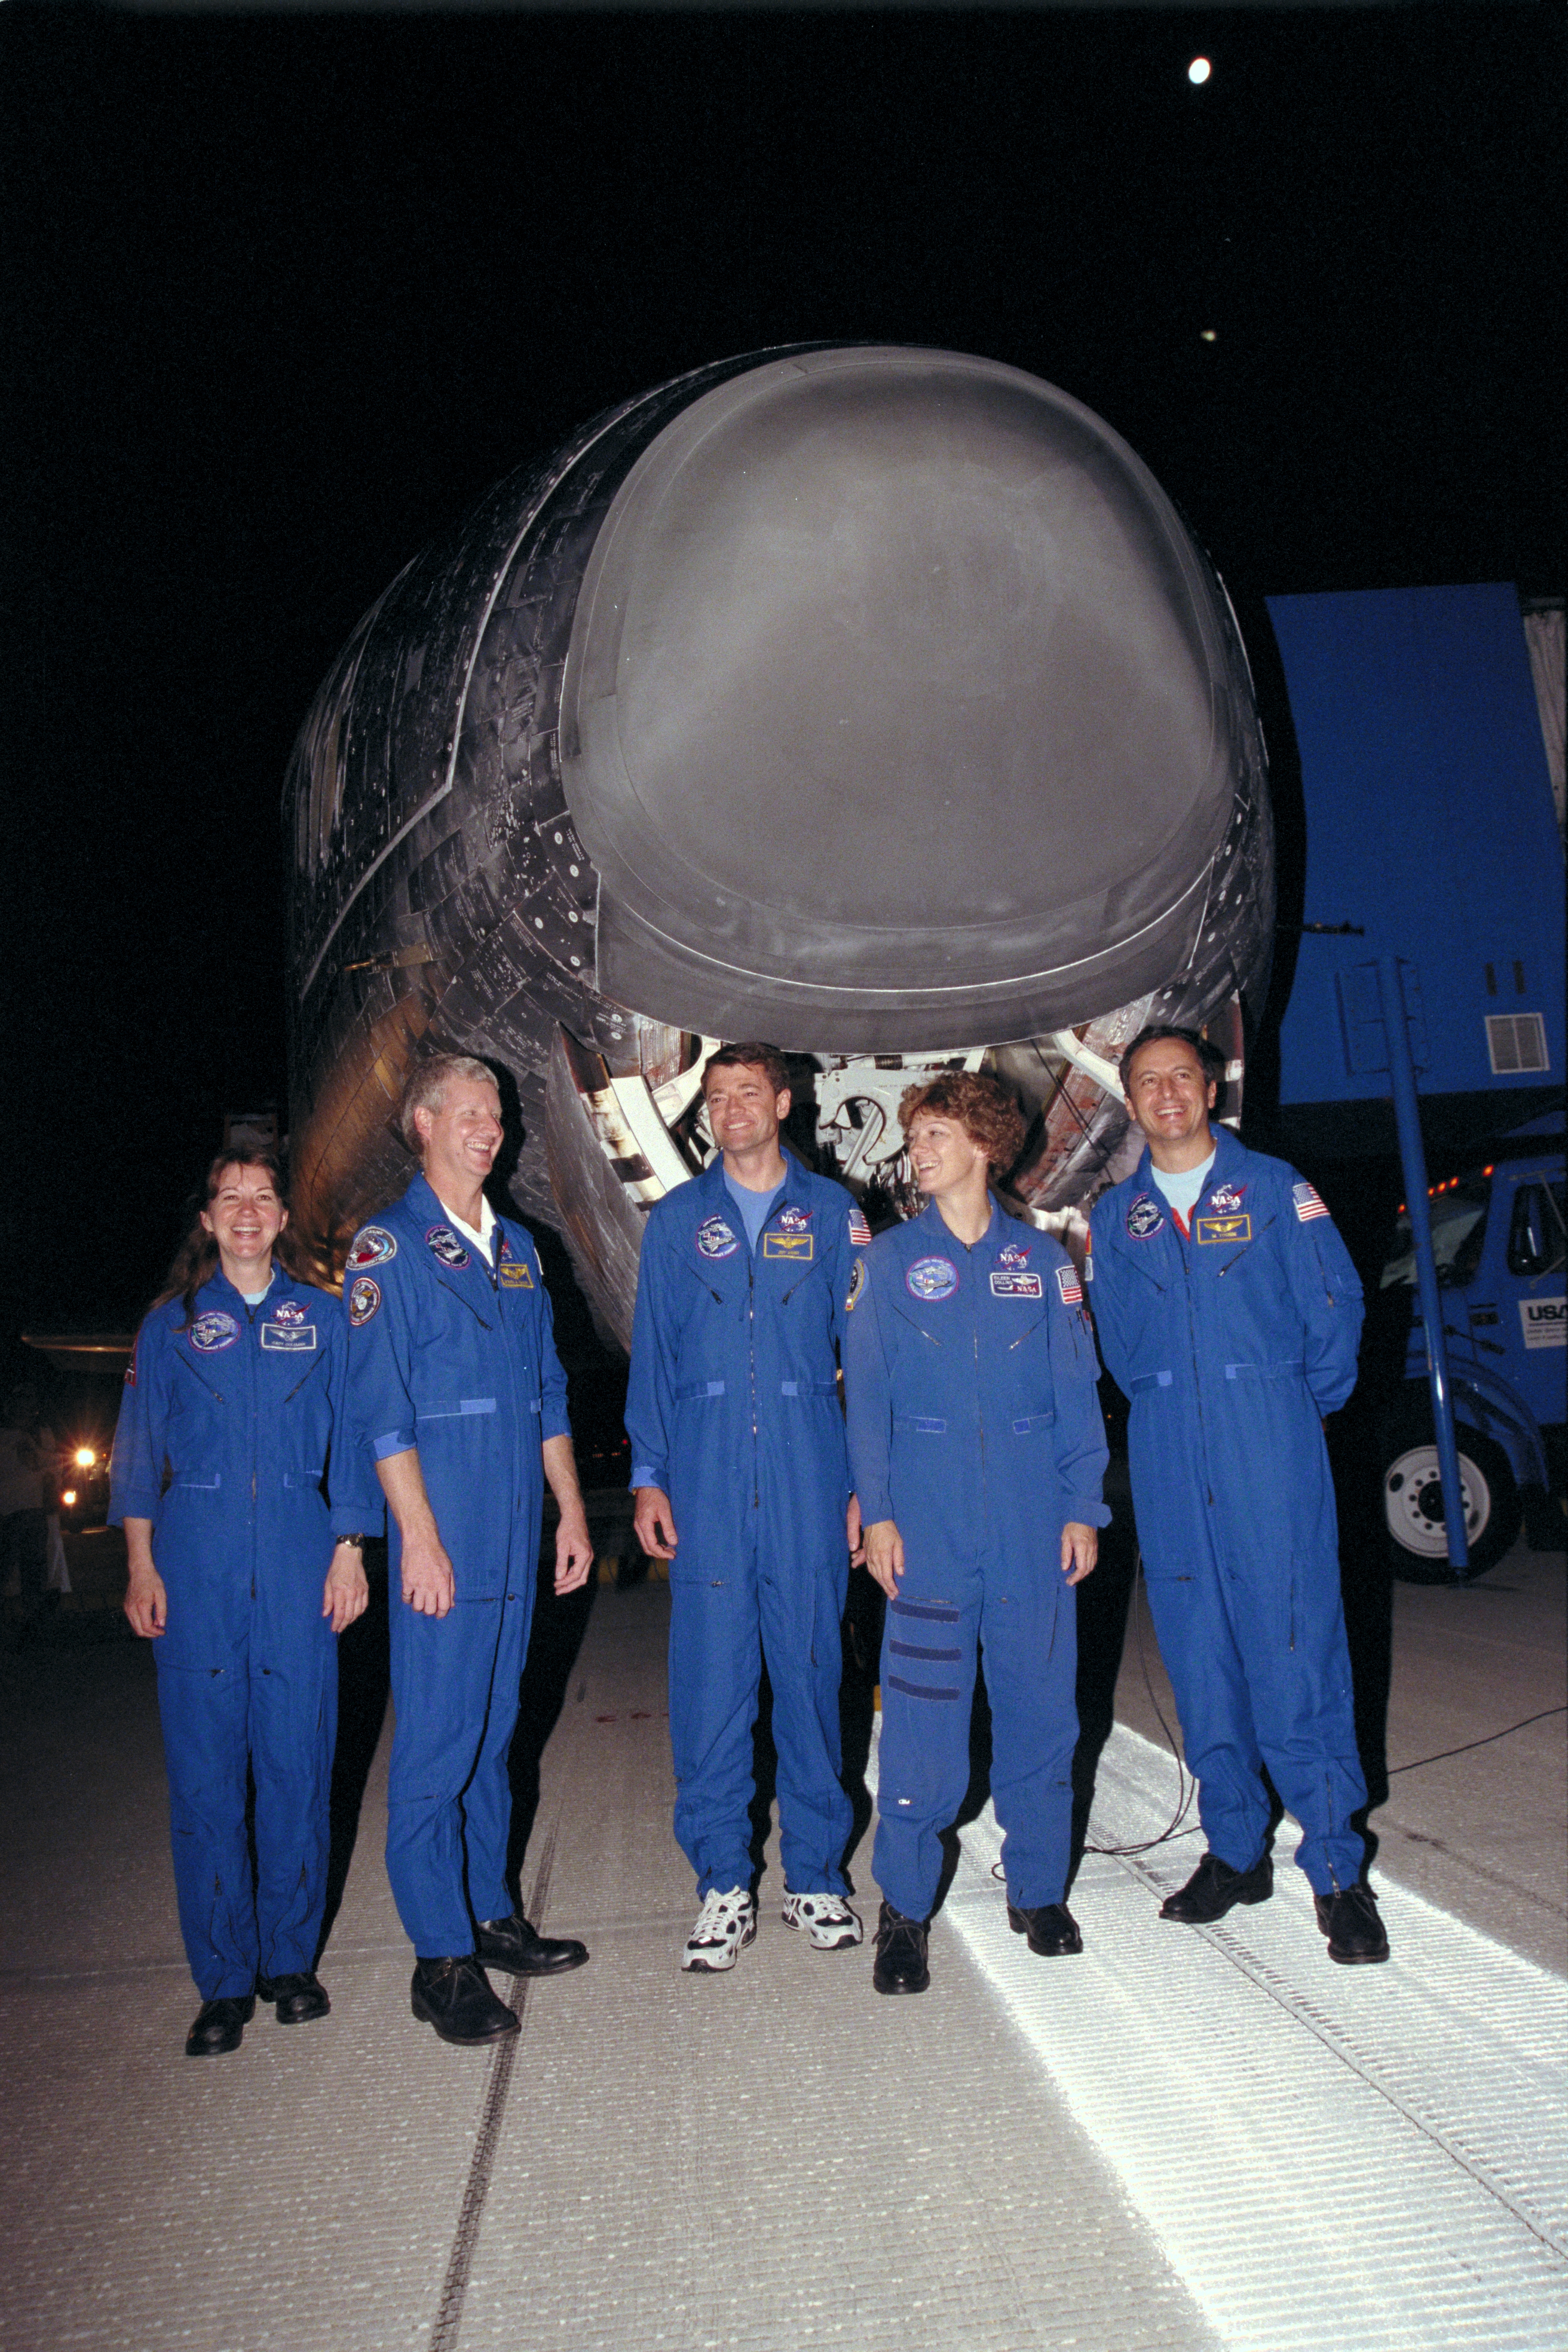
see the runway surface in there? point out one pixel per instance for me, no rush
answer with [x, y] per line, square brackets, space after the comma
[1181, 2139]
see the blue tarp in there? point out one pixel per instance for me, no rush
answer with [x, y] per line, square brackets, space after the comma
[1429, 822]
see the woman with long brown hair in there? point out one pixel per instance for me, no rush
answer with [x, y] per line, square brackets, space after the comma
[242, 1573]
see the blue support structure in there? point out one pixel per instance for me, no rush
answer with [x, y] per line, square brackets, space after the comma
[1412, 1160]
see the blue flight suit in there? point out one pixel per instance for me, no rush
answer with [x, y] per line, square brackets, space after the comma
[974, 1422]
[456, 1358]
[732, 1410]
[1231, 1346]
[225, 1431]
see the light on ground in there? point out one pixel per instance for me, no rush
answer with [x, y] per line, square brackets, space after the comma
[1199, 70]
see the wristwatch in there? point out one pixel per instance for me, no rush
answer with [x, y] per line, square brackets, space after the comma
[356, 1540]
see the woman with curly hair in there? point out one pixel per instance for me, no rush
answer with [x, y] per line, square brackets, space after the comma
[977, 1450]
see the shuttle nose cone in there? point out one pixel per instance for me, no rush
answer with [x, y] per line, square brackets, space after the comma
[897, 711]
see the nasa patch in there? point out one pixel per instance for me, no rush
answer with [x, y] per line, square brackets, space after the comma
[364, 1300]
[792, 1219]
[1070, 1288]
[374, 1246]
[1144, 1217]
[1225, 1199]
[213, 1330]
[859, 1230]
[289, 1310]
[714, 1238]
[857, 1284]
[1014, 1254]
[1013, 1285]
[443, 1242]
[931, 1279]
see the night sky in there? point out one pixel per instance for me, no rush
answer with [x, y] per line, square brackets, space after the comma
[282, 295]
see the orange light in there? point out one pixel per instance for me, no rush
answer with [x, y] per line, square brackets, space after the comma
[69, 1498]
[1485, 1172]
[84, 1457]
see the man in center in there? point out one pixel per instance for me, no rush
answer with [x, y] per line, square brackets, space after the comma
[742, 1484]
[978, 1450]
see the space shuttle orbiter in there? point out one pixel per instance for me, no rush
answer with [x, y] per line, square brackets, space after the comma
[875, 701]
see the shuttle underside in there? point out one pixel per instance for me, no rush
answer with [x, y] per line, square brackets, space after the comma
[874, 702]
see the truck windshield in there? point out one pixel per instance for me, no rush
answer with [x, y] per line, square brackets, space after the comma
[1459, 1229]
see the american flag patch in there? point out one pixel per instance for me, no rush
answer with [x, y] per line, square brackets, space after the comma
[859, 1230]
[1070, 1288]
[1308, 1204]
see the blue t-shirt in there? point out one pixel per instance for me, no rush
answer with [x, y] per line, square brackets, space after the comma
[754, 1207]
[1182, 1188]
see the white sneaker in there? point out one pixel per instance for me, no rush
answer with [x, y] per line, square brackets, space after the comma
[725, 1925]
[828, 1918]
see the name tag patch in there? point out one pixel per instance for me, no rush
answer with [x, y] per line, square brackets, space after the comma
[1144, 1217]
[714, 1238]
[365, 1300]
[513, 1274]
[293, 1338]
[931, 1278]
[1222, 1229]
[213, 1330]
[374, 1246]
[799, 1246]
[442, 1242]
[1007, 1283]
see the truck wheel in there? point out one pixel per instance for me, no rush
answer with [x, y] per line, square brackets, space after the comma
[1413, 1500]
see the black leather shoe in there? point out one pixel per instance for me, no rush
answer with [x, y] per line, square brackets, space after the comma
[1050, 1928]
[455, 1997]
[220, 2026]
[1349, 1919]
[298, 1998]
[513, 1945]
[1215, 1889]
[901, 1963]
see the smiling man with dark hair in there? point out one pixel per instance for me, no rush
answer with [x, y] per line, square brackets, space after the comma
[1229, 1312]
[742, 1484]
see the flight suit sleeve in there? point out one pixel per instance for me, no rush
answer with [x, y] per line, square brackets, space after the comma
[1104, 1298]
[136, 1463]
[868, 1397]
[354, 1496]
[553, 1419]
[1327, 1291]
[1078, 1435]
[381, 1362]
[650, 1387]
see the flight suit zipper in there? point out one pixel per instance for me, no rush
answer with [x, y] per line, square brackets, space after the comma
[752, 1370]
[1197, 1384]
